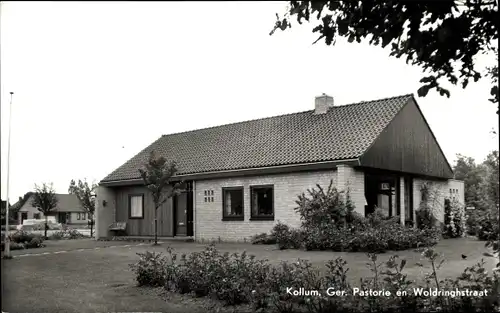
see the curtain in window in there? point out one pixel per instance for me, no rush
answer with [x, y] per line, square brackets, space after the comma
[227, 201]
[136, 206]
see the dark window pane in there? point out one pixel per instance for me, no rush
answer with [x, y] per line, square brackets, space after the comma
[233, 202]
[262, 202]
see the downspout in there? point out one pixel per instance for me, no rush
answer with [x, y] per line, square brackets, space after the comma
[194, 210]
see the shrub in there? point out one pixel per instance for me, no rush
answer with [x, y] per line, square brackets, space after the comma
[263, 239]
[239, 278]
[454, 219]
[17, 246]
[35, 243]
[286, 238]
[424, 214]
[150, 270]
[320, 207]
[23, 237]
[57, 235]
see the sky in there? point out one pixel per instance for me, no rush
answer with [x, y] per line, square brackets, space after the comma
[96, 82]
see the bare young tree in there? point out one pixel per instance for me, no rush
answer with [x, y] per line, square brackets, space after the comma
[86, 195]
[45, 200]
[157, 176]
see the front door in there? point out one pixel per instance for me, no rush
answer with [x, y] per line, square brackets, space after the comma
[183, 212]
[24, 216]
[62, 218]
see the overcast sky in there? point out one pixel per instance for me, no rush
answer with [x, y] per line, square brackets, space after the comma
[96, 82]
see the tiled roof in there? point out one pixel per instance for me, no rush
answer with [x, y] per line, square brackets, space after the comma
[343, 132]
[67, 203]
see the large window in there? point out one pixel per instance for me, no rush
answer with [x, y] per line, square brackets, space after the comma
[232, 203]
[136, 206]
[262, 202]
[36, 216]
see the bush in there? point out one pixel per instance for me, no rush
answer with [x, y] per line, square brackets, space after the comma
[35, 243]
[263, 239]
[286, 238]
[66, 234]
[17, 246]
[239, 278]
[150, 270]
[454, 219]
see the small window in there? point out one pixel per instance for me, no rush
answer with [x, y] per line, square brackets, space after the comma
[262, 202]
[83, 216]
[78, 216]
[36, 216]
[232, 203]
[136, 206]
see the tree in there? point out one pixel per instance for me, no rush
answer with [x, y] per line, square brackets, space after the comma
[86, 195]
[473, 176]
[157, 176]
[442, 37]
[491, 182]
[45, 200]
[3, 210]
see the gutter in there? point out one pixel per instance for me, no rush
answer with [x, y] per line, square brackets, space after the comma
[244, 172]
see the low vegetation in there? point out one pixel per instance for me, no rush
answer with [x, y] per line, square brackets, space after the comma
[329, 222]
[66, 234]
[240, 279]
[23, 240]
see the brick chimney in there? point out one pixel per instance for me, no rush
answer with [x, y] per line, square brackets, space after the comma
[322, 104]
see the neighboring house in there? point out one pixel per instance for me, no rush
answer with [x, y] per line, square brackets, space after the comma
[242, 178]
[68, 211]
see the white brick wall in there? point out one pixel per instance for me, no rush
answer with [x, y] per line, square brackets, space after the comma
[441, 192]
[208, 215]
[348, 177]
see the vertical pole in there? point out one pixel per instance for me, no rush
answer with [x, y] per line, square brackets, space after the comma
[7, 233]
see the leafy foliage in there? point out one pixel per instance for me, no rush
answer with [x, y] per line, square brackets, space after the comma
[329, 222]
[425, 213]
[454, 219]
[25, 240]
[240, 278]
[45, 200]
[442, 38]
[86, 196]
[157, 177]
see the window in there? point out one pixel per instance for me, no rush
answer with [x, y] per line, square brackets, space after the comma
[78, 216]
[36, 216]
[232, 204]
[262, 202]
[136, 206]
[209, 196]
[83, 216]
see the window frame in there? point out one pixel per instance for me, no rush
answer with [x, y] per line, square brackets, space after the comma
[78, 216]
[261, 217]
[232, 217]
[37, 216]
[130, 206]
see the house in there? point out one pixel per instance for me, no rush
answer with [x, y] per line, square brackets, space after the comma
[241, 178]
[68, 211]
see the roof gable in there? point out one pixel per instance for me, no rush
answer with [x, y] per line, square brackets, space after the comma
[344, 132]
[408, 145]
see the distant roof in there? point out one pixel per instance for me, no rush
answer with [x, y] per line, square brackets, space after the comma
[344, 132]
[67, 203]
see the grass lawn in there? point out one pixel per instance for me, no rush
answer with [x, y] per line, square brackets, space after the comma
[100, 280]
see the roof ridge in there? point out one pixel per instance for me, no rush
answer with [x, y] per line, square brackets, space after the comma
[286, 114]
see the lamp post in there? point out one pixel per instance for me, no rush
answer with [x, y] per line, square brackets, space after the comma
[7, 233]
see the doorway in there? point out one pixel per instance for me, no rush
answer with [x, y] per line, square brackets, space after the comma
[183, 211]
[382, 191]
[24, 216]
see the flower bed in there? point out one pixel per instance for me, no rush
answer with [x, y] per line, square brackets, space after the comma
[240, 279]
